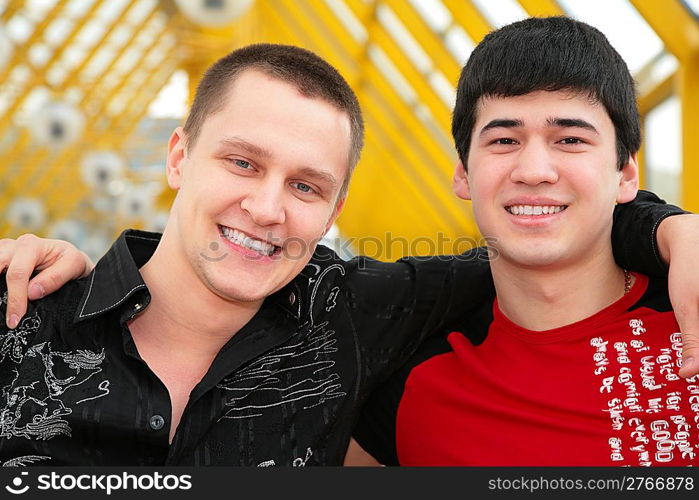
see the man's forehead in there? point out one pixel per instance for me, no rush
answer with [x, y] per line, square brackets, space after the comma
[549, 113]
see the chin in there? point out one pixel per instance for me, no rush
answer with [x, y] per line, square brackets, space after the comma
[236, 286]
[535, 258]
[238, 294]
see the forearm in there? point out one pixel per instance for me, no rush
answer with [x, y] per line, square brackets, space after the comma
[635, 235]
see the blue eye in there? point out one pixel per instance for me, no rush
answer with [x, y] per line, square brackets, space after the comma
[242, 164]
[304, 188]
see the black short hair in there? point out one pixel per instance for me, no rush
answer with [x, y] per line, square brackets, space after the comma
[551, 53]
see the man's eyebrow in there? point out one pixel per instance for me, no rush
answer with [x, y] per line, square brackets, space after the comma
[319, 175]
[247, 146]
[571, 122]
[501, 123]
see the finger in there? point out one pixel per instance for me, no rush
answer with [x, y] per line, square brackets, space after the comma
[66, 268]
[18, 273]
[690, 353]
[688, 320]
[690, 365]
[6, 250]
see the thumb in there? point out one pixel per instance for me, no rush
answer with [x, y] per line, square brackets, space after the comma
[688, 320]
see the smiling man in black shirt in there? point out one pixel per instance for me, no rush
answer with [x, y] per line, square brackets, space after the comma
[232, 339]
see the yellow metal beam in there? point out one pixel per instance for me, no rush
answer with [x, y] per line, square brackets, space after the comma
[656, 95]
[641, 158]
[680, 34]
[46, 171]
[20, 52]
[75, 191]
[391, 103]
[73, 78]
[108, 84]
[39, 75]
[673, 24]
[296, 14]
[430, 41]
[418, 80]
[35, 157]
[542, 8]
[689, 95]
[110, 128]
[11, 9]
[466, 15]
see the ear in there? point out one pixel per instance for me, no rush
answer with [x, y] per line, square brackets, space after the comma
[628, 180]
[176, 153]
[460, 182]
[336, 211]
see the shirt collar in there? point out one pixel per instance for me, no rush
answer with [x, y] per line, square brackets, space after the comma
[116, 281]
[116, 277]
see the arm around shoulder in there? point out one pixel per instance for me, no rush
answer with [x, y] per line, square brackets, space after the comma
[55, 262]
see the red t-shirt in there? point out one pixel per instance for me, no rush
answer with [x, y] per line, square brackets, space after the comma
[602, 391]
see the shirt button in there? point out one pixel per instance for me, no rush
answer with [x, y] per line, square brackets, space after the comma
[137, 307]
[157, 422]
[292, 298]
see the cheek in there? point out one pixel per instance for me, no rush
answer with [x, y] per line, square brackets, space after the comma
[307, 221]
[484, 189]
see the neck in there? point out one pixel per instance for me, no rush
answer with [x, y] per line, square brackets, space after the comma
[544, 298]
[185, 327]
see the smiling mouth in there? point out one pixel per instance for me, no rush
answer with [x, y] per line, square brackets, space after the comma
[263, 248]
[535, 210]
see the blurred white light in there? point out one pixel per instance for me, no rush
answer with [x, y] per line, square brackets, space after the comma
[26, 213]
[6, 49]
[68, 230]
[57, 124]
[136, 202]
[213, 12]
[95, 246]
[100, 169]
[158, 222]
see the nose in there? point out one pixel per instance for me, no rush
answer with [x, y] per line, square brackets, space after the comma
[265, 204]
[534, 165]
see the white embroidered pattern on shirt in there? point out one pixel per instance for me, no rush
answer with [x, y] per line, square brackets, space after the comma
[298, 462]
[298, 371]
[295, 372]
[24, 460]
[37, 397]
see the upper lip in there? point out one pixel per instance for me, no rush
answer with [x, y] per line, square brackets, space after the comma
[534, 201]
[254, 236]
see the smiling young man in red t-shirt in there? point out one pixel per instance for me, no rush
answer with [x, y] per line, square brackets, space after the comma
[577, 361]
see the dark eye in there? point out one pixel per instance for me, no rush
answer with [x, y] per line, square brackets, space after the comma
[572, 140]
[505, 141]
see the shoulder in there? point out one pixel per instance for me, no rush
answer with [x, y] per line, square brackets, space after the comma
[62, 303]
[656, 295]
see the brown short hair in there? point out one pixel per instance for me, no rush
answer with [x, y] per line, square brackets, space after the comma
[309, 73]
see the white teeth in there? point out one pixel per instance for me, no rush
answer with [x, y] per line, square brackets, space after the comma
[534, 209]
[239, 238]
